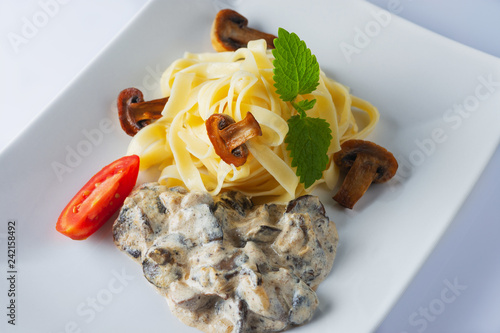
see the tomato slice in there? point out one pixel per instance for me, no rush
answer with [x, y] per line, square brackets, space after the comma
[99, 198]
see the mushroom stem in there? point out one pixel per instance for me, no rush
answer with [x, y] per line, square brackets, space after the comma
[147, 110]
[238, 133]
[357, 181]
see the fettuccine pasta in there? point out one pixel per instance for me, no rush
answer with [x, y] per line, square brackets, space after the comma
[234, 83]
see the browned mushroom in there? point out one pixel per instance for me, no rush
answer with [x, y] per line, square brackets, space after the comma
[229, 137]
[366, 163]
[134, 113]
[230, 32]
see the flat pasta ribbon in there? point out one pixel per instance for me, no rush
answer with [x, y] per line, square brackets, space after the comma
[235, 83]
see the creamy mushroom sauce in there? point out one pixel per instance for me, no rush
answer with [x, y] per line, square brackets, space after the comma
[224, 264]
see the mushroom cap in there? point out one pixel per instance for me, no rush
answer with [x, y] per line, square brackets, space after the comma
[373, 153]
[127, 120]
[230, 32]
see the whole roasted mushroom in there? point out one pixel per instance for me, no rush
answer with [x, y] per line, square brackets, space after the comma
[230, 32]
[228, 137]
[134, 113]
[365, 163]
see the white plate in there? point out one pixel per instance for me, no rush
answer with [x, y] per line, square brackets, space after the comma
[416, 78]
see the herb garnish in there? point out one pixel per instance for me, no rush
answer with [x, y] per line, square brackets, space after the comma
[296, 72]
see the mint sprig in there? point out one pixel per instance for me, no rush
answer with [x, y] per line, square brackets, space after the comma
[296, 72]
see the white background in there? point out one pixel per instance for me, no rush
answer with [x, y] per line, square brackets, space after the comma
[38, 61]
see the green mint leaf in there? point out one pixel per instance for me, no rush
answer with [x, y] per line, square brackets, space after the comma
[304, 106]
[308, 140]
[296, 70]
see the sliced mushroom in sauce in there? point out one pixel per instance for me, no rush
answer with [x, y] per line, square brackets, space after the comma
[224, 264]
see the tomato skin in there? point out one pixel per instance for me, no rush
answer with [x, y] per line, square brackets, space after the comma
[99, 198]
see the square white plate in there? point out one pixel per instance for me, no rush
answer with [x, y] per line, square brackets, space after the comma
[439, 116]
